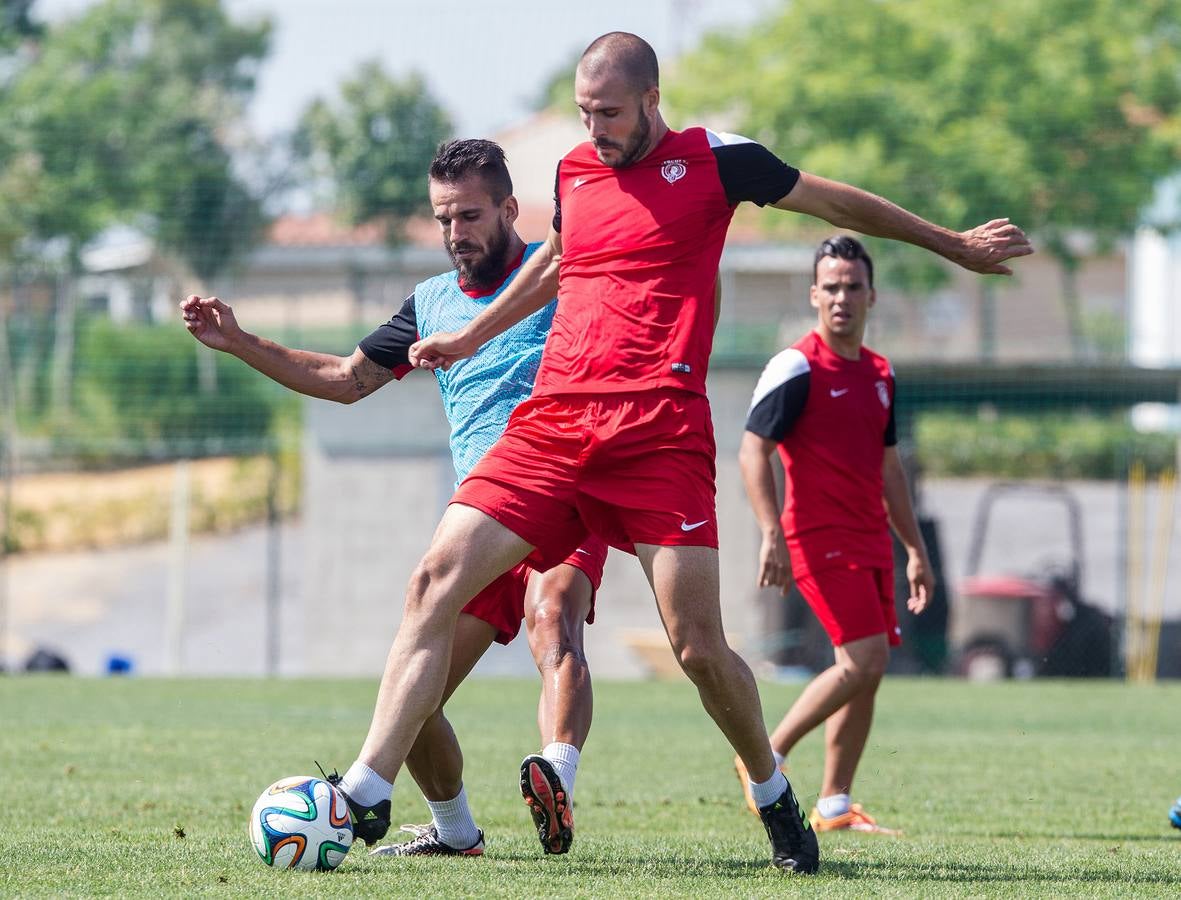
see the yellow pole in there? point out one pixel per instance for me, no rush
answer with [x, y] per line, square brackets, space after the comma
[1166, 496]
[1135, 570]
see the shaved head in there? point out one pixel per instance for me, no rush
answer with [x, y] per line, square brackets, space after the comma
[623, 55]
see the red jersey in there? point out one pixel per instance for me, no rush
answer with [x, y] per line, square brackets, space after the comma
[640, 251]
[833, 419]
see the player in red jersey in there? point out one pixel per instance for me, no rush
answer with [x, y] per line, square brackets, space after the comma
[471, 193]
[617, 436]
[827, 404]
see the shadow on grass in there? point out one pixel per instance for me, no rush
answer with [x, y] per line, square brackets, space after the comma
[650, 866]
[915, 873]
[1026, 836]
[675, 868]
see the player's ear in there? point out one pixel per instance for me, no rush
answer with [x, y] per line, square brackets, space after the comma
[651, 100]
[510, 209]
[873, 298]
[814, 296]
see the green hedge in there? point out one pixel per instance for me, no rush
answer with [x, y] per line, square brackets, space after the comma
[1052, 445]
[138, 392]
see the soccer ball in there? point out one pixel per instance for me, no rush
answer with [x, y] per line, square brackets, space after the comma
[301, 822]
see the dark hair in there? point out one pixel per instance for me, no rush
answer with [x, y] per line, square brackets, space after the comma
[843, 247]
[457, 160]
[624, 54]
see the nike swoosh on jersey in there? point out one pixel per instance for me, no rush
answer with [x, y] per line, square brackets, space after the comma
[835, 393]
[578, 182]
[685, 526]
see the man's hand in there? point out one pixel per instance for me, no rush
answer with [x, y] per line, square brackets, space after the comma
[210, 321]
[987, 246]
[921, 580]
[440, 351]
[774, 563]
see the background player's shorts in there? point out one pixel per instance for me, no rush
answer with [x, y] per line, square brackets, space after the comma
[502, 603]
[633, 468]
[852, 602]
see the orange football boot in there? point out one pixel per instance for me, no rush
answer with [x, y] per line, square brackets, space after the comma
[856, 819]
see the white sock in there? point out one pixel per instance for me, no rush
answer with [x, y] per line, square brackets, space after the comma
[564, 758]
[364, 785]
[831, 807]
[780, 758]
[767, 792]
[453, 820]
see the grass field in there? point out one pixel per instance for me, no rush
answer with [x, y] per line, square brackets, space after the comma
[142, 788]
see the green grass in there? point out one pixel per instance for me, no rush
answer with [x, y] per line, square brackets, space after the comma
[1010, 790]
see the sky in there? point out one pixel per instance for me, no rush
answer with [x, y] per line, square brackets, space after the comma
[485, 60]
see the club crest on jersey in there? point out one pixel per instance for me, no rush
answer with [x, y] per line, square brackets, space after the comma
[883, 393]
[673, 170]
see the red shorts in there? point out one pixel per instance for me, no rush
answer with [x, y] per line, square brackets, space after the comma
[502, 603]
[852, 603]
[632, 468]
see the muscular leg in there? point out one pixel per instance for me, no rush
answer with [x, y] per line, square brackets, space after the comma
[847, 729]
[845, 734]
[468, 550]
[685, 581]
[436, 761]
[844, 691]
[556, 607]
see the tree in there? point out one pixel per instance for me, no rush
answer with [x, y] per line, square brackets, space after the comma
[127, 111]
[1061, 114]
[375, 145]
[125, 114]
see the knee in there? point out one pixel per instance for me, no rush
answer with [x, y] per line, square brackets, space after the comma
[555, 615]
[701, 659]
[426, 588]
[556, 641]
[552, 620]
[545, 618]
[865, 673]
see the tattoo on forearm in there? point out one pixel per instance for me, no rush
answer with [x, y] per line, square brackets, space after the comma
[368, 376]
[558, 651]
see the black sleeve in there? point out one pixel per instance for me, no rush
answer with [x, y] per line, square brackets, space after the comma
[389, 344]
[891, 436]
[557, 221]
[779, 396]
[750, 171]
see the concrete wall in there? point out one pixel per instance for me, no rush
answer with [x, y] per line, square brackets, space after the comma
[377, 477]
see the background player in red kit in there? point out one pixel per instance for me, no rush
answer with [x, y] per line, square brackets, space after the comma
[827, 404]
[617, 436]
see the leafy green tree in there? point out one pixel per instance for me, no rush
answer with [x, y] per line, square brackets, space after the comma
[375, 144]
[125, 111]
[125, 114]
[1061, 114]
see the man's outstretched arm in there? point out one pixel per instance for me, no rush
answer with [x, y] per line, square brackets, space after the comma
[344, 379]
[535, 286]
[982, 249]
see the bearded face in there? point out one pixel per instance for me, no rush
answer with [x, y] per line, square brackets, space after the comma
[477, 230]
[621, 154]
[480, 263]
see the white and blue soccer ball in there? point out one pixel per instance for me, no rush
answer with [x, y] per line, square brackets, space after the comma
[301, 822]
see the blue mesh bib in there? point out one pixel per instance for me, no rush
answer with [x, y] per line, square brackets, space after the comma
[480, 392]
